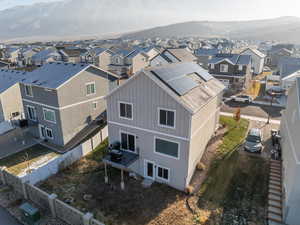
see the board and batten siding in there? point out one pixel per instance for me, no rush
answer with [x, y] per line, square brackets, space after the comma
[146, 97]
[145, 144]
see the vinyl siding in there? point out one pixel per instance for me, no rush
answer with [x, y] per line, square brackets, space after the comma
[145, 143]
[290, 128]
[204, 124]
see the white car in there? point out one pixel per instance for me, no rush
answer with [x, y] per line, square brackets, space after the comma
[242, 98]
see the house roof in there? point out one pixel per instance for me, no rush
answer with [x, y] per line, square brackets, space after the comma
[8, 78]
[182, 54]
[235, 59]
[288, 69]
[192, 85]
[53, 75]
[73, 52]
[45, 54]
[206, 51]
[256, 52]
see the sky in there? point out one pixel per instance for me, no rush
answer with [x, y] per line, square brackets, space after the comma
[210, 9]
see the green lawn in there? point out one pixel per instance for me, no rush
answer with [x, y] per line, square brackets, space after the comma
[21, 161]
[236, 183]
[99, 151]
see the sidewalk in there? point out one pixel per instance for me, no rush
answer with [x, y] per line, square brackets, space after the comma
[260, 119]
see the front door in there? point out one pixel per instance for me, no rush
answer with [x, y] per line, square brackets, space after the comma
[42, 131]
[149, 170]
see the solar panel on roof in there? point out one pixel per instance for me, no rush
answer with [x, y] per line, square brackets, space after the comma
[183, 85]
[175, 76]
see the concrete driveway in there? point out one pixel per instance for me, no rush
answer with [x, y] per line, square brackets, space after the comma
[6, 218]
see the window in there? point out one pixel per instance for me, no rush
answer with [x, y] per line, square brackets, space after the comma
[95, 104]
[128, 142]
[167, 148]
[49, 115]
[212, 66]
[28, 90]
[166, 118]
[31, 113]
[240, 67]
[49, 133]
[125, 110]
[223, 68]
[163, 173]
[90, 88]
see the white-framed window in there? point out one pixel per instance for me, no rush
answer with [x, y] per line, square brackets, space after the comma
[90, 88]
[240, 67]
[163, 173]
[223, 68]
[31, 113]
[49, 133]
[49, 115]
[125, 110]
[166, 118]
[128, 141]
[95, 105]
[28, 90]
[166, 147]
[212, 66]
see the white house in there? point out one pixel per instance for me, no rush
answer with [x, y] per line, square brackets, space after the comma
[257, 59]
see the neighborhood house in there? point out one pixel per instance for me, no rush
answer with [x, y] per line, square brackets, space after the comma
[161, 120]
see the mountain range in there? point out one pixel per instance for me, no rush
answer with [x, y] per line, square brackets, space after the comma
[285, 29]
[97, 18]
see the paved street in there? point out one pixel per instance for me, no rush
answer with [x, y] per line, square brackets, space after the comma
[6, 218]
[253, 110]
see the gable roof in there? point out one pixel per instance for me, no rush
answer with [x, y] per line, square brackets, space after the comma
[54, 75]
[73, 52]
[255, 51]
[188, 83]
[288, 69]
[3, 64]
[8, 78]
[45, 54]
[235, 59]
[182, 54]
[207, 51]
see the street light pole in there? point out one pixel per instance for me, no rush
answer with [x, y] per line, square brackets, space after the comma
[272, 95]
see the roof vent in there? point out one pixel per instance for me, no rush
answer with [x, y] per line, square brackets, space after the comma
[35, 81]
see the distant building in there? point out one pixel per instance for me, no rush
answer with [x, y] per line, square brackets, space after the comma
[257, 59]
[233, 70]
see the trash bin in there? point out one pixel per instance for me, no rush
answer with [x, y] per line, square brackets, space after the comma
[30, 214]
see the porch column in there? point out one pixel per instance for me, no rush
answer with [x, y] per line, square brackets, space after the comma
[105, 176]
[122, 180]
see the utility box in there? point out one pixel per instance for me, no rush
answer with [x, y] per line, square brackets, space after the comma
[30, 214]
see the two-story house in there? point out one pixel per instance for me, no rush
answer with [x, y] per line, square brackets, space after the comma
[205, 54]
[60, 99]
[290, 142]
[257, 59]
[11, 107]
[161, 120]
[233, 70]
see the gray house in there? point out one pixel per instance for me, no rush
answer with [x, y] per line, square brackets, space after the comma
[60, 99]
[11, 107]
[233, 70]
[257, 59]
[289, 130]
[162, 119]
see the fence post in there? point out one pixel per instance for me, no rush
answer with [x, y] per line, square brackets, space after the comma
[87, 218]
[51, 199]
[24, 183]
[2, 171]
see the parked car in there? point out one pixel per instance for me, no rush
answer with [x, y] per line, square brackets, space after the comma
[254, 141]
[242, 98]
[267, 69]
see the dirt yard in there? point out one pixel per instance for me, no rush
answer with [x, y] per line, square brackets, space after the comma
[234, 190]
